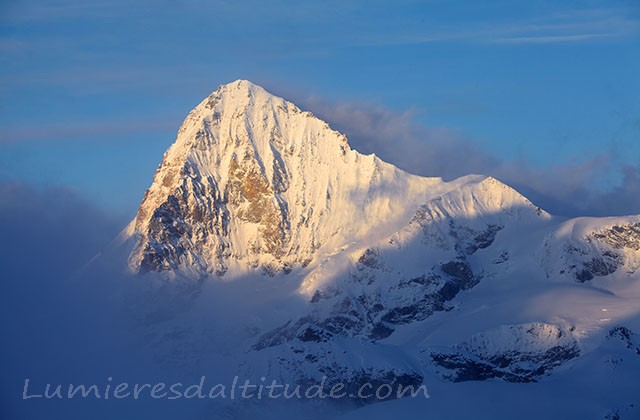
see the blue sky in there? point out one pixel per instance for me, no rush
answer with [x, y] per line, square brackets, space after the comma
[542, 94]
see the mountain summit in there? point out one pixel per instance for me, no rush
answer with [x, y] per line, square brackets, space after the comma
[254, 182]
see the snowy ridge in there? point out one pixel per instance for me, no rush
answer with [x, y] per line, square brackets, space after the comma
[514, 353]
[534, 337]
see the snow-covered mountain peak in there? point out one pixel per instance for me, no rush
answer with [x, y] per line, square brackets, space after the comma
[253, 182]
[480, 196]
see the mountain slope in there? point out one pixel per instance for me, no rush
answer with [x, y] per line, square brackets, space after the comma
[300, 258]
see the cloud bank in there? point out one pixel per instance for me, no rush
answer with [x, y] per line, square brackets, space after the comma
[104, 328]
[54, 329]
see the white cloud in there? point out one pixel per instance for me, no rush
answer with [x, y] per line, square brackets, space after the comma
[572, 27]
